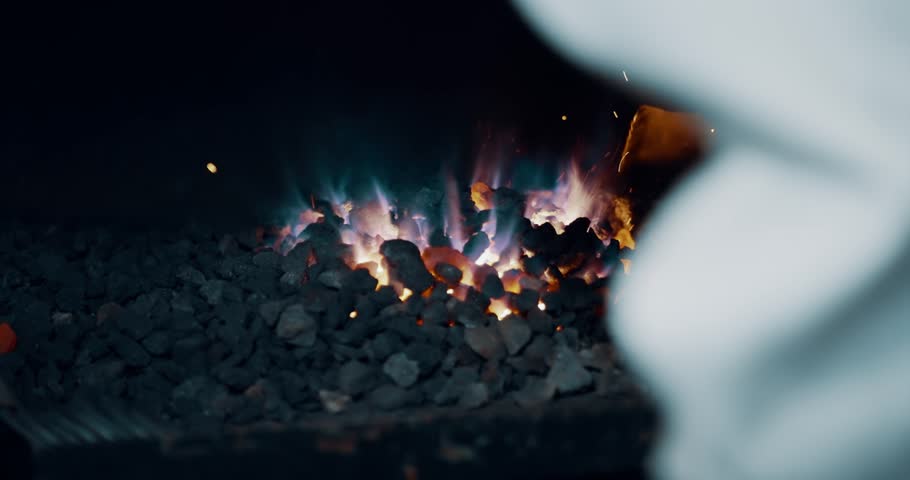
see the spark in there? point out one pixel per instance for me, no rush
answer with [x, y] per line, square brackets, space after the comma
[419, 322]
[542, 306]
[564, 118]
[712, 130]
[559, 328]
[616, 115]
[405, 294]
[619, 169]
[450, 291]
[353, 314]
[625, 76]
[211, 167]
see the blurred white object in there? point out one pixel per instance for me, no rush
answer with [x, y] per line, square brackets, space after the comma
[769, 311]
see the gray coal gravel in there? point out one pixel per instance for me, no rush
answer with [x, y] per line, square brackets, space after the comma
[197, 326]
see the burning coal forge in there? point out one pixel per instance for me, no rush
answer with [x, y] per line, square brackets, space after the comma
[480, 296]
[500, 242]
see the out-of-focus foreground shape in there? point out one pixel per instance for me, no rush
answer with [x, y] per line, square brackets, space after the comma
[768, 309]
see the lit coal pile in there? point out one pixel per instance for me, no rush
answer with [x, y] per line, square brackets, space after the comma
[348, 310]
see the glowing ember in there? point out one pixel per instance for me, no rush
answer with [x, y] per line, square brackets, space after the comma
[542, 306]
[564, 118]
[624, 237]
[211, 167]
[450, 291]
[488, 257]
[482, 196]
[500, 308]
[405, 294]
[353, 314]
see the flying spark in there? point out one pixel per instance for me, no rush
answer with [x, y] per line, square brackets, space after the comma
[211, 167]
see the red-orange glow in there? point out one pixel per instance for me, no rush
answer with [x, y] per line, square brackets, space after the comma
[419, 322]
[500, 308]
[8, 338]
[511, 280]
[559, 328]
[482, 196]
[433, 256]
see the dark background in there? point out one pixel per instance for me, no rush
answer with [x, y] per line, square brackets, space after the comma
[111, 111]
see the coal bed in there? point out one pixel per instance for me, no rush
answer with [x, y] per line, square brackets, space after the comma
[328, 325]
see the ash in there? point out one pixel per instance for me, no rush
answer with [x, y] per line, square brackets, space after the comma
[203, 328]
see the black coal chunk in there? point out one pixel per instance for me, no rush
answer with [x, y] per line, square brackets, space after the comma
[449, 273]
[536, 391]
[360, 281]
[355, 377]
[438, 238]
[130, 351]
[542, 240]
[235, 377]
[454, 386]
[297, 259]
[515, 333]
[492, 286]
[405, 265]
[297, 326]
[267, 258]
[158, 343]
[474, 395]
[385, 344]
[401, 369]
[526, 300]
[476, 245]
[486, 341]
[426, 355]
[567, 373]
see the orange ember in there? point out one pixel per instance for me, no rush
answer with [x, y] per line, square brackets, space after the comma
[7, 338]
[482, 196]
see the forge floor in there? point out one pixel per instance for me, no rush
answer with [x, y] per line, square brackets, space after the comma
[577, 437]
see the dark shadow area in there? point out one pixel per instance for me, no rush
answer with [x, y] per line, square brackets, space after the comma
[111, 112]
